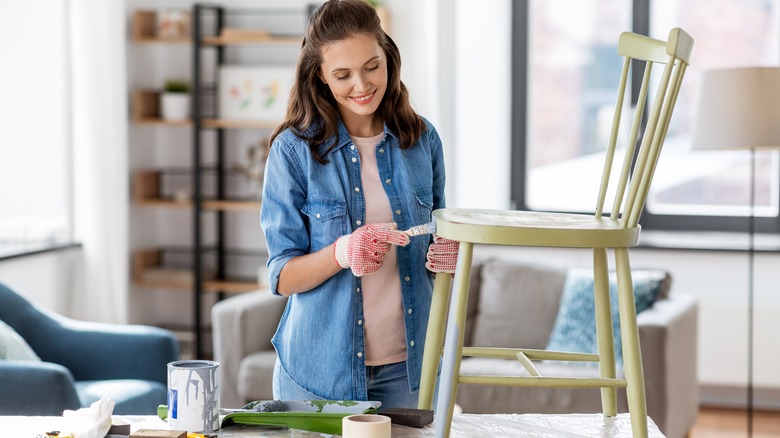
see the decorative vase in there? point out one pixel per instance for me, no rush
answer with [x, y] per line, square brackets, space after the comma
[175, 106]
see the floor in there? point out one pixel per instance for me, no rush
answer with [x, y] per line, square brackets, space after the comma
[729, 423]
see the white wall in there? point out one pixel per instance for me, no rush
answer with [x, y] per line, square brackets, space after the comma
[482, 104]
[45, 279]
[456, 57]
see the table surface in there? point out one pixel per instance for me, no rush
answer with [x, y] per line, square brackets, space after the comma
[463, 426]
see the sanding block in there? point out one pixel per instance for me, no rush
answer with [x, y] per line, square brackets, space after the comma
[409, 417]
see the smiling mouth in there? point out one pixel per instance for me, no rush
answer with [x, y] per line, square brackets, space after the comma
[364, 99]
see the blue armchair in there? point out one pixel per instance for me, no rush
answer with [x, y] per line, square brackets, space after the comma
[82, 362]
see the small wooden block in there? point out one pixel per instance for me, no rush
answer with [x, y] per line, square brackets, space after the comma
[119, 427]
[159, 433]
[409, 417]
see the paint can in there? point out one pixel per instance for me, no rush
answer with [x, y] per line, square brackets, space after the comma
[193, 395]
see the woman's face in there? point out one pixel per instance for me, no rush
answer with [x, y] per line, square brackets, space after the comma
[355, 70]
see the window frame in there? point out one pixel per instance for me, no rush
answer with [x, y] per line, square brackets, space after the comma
[519, 99]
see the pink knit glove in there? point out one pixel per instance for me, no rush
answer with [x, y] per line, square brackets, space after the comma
[366, 248]
[442, 255]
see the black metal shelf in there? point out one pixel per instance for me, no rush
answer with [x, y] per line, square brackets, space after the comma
[208, 23]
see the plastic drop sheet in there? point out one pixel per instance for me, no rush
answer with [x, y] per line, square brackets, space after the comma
[493, 426]
[533, 425]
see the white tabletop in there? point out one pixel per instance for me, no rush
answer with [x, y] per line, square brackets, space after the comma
[463, 426]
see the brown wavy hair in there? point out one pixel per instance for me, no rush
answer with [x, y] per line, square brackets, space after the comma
[312, 111]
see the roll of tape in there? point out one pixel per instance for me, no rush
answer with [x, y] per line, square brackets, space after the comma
[365, 426]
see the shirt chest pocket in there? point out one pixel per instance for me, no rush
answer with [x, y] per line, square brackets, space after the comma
[424, 198]
[327, 221]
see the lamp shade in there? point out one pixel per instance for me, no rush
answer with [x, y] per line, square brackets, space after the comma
[739, 109]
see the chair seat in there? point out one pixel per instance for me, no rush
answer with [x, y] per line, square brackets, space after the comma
[131, 396]
[533, 228]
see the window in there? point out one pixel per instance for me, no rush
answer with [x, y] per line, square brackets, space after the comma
[566, 70]
[35, 158]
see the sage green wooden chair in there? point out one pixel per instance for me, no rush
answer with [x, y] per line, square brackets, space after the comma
[617, 232]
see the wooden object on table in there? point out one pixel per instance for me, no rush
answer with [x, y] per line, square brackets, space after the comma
[159, 433]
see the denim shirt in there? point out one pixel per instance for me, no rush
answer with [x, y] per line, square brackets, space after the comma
[306, 206]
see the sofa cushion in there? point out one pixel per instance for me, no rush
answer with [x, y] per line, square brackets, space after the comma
[517, 304]
[13, 346]
[575, 324]
[255, 376]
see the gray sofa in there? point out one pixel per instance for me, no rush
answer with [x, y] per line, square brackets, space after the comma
[512, 303]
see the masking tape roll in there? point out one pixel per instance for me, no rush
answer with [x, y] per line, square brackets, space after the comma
[365, 426]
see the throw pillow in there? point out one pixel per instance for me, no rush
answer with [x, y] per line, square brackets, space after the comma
[13, 346]
[575, 325]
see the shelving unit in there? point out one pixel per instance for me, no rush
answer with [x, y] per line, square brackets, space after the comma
[170, 268]
[219, 39]
[149, 190]
[206, 187]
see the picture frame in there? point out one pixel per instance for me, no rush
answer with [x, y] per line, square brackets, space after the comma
[257, 93]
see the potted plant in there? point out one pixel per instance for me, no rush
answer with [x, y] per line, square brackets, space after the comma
[175, 100]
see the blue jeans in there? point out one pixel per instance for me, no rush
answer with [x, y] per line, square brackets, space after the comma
[388, 384]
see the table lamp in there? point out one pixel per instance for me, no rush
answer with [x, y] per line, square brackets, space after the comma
[739, 108]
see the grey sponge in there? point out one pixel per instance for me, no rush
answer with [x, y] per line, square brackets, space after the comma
[270, 406]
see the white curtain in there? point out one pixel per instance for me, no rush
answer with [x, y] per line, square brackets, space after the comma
[99, 138]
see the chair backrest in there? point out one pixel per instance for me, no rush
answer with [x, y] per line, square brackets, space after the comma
[636, 173]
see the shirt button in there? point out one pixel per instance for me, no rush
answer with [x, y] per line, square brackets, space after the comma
[354, 160]
[318, 215]
[387, 181]
[358, 222]
[352, 147]
[409, 311]
[381, 150]
[358, 289]
[398, 212]
[357, 189]
[411, 344]
[407, 278]
[360, 354]
[360, 322]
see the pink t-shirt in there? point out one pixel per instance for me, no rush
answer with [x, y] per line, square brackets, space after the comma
[382, 306]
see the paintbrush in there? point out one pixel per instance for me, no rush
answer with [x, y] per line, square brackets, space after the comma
[419, 230]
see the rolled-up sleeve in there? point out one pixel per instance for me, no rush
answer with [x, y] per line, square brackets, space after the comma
[439, 177]
[283, 224]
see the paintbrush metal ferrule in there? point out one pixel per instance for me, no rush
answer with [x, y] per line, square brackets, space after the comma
[419, 230]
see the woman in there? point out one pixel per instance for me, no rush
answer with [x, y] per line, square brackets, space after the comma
[351, 166]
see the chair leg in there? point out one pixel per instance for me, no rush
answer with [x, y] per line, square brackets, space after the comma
[437, 320]
[453, 343]
[632, 356]
[606, 338]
